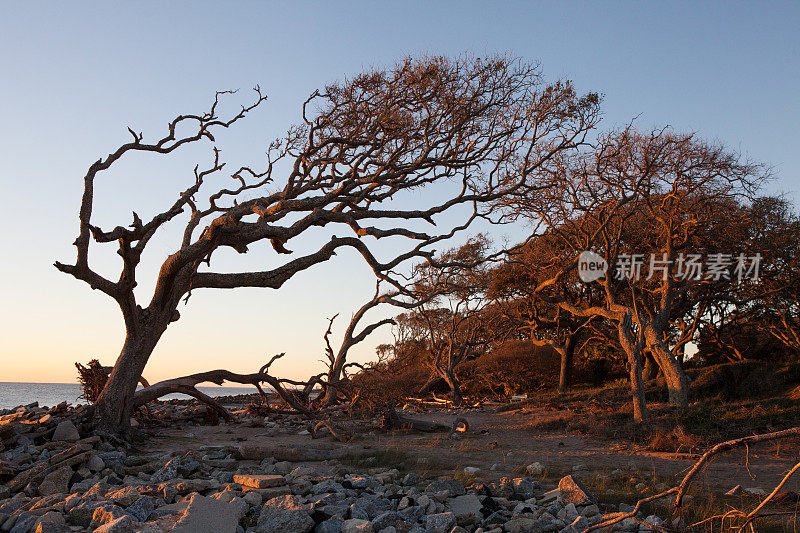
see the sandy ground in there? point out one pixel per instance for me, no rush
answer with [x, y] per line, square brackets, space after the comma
[507, 441]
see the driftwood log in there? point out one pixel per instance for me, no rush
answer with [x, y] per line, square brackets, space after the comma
[391, 419]
[187, 385]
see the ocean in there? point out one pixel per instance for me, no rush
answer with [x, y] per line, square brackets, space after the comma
[50, 394]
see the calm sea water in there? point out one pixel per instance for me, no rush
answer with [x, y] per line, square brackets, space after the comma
[50, 394]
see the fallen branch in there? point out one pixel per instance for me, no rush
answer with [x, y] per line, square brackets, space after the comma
[725, 446]
[336, 433]
[187, 385]
[680, 490]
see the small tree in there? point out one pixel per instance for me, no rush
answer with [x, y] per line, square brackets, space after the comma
[476, 129]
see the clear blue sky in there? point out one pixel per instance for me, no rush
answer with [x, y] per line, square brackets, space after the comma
[74, 75]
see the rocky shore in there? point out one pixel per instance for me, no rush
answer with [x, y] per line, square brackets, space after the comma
[59, 477]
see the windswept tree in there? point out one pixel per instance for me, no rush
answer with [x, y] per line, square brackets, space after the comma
[452, 308]
[643, 201]
[514, 288]
[756, 319]
[473, 130]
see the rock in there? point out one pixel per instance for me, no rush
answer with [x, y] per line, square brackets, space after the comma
[268, 494]
[107, 513]
[81, 514]
[53, 517]
[300, 472]
[453, 487]
[329, 526]
[357, 525]
[95, 463]
[577, 526]
[535, 469]
[259, 481]
[22, 523]
[570, 513]
[66, 431]
[522, 524]
[98, 489]
[56, 482]
[253, 498]
[410, 479]
[440, 523]
[523, 507]
[207, 514]
[591, 510]
[472, 470]
[188, 467]
[285, 514]
[189, 486]
[573, 491]
[755, 491]
[524, 488]
[240, 507]
[124, 497]
[141, 508]
[51, 527]
[466, 508]
[651, 520]
[123, 524]
[384, 520]
[168, 472]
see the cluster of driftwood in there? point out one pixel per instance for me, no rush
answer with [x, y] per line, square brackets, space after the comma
[93, 377]
[300, 398]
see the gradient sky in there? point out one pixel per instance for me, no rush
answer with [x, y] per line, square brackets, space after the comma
[75, 75]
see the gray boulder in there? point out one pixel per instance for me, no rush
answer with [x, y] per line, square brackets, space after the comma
[440, 523]
[285, 514]
[168, 472]
[357, 525]
[466, 508]
[66, 431]
[56, 482]
[329, 526]
[141, 508]
[208, 514]
[123, 524]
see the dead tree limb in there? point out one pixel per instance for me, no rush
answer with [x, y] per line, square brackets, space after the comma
[725, 446]
[680, 490]
[187, 384]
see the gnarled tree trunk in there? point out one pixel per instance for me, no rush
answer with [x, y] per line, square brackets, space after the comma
[650, 367]
[677, 382]
[631, 343]
[567, 363]
[115, 404]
